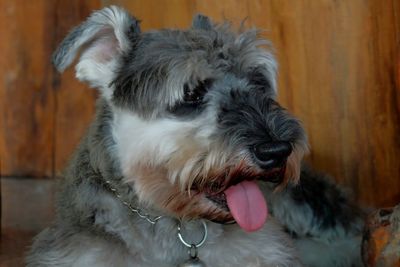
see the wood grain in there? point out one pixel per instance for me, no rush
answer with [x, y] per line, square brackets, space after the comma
[339, 73]
[43, 116]
[27, 125]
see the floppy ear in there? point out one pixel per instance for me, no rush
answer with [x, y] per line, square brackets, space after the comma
[201, 22]
[102, 39]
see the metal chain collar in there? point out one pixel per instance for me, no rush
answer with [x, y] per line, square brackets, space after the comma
[154, 219]
[151, 219]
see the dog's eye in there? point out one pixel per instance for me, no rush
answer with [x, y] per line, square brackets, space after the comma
[195, 96]
[193, 99]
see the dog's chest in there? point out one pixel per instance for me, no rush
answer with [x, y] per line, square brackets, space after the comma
[224, 247]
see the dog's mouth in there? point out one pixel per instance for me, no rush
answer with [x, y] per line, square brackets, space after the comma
[239, 195]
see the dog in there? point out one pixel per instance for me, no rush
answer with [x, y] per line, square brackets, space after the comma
[190, 160]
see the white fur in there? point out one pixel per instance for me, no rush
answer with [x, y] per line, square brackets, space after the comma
[140, 141]
[153, 142]
[97, 64]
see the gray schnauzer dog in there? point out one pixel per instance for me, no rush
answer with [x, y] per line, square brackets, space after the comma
[190, 160]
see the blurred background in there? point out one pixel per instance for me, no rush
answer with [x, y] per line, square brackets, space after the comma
[339, 72]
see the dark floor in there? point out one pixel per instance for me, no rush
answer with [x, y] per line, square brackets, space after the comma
[13, 245]
[26, 208]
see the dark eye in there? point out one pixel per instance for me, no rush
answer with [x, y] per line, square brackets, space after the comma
[193, 99]
[195, 96]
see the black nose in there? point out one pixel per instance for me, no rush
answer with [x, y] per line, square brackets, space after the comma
[271, 155]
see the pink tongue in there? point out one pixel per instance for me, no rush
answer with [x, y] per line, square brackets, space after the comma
[247, 205]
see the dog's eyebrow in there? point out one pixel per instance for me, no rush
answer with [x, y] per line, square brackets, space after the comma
[257, 77]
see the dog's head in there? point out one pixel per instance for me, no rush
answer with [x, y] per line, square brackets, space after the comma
[195, 117]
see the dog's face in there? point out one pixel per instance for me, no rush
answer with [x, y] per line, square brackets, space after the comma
[195, 120]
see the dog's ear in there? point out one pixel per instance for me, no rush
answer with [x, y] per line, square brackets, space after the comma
[202, 22]
[101, 40]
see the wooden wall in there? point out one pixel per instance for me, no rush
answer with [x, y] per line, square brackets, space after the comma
[339, 73]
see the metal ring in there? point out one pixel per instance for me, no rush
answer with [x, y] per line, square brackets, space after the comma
[191, 245]
[193, 252]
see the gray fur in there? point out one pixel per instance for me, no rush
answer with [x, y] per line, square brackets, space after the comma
[162, 62]
[322, 219]
[165, 93]
[202, 22]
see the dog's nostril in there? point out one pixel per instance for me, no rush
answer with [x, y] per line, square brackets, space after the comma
[270, 155]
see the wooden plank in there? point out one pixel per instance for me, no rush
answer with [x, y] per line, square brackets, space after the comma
[27, 135]
[45, 115]
[337, 70]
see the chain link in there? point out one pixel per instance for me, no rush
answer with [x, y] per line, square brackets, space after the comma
[151, 219]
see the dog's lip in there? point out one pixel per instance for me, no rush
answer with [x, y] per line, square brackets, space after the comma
[217, 187]
[219, 200]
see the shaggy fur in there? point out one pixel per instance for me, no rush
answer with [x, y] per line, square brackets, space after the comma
[183, 115]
